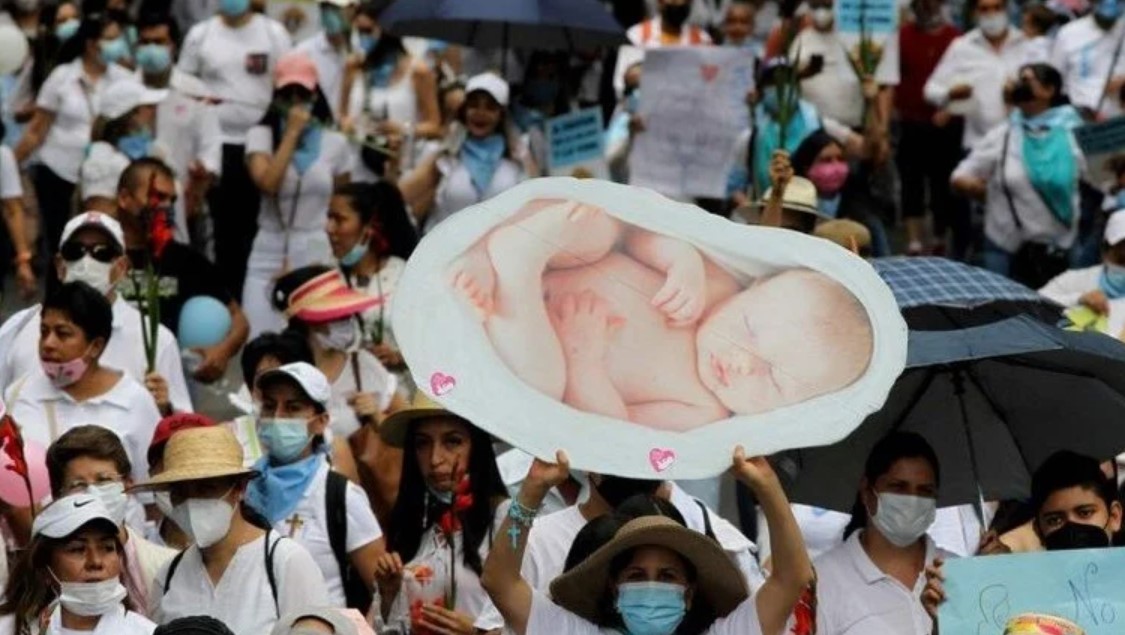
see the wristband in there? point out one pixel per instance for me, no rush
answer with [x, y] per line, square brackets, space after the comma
[522, 518]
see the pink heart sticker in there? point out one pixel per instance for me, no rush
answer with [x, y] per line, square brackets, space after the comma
[709, 72]
[661, 459]
[442, 384]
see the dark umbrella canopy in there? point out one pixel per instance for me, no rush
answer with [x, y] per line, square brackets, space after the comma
[507, 24]
[994, 401]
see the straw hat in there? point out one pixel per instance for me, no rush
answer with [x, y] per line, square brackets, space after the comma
[1033, 624]
[718, 581]
[800, 196]
[327, 298]
[197, 454]
[395, 427]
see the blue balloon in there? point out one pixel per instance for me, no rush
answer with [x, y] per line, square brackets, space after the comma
[204, 321]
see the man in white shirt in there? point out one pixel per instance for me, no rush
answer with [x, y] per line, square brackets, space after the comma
[837, 90]
[93, 251]
[972, 75]
[235, 53]
[1088, 53]
[187, 126]
[330, 50]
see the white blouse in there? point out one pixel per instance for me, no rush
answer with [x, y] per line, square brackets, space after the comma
[303, 198]
[456, 190]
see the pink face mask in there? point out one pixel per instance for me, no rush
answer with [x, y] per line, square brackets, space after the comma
[829, 177]
[63, 374]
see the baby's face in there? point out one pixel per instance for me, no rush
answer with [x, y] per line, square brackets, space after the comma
[784, 340]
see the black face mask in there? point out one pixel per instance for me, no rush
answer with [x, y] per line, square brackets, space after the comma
[1076, 536]
[1021, 92]
[675, 14]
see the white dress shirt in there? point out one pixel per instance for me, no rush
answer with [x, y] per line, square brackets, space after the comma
[19, 350]
[836, 90]
[1083, 53]
[972, 60]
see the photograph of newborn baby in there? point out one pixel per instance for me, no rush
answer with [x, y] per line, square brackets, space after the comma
[616, 320]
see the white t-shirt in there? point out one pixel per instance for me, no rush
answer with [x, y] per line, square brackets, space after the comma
[836, 91]
[1083, 53]
[115, 623]
[44, 413]
[548, 617]
[10, 185]
[19, 350]
[854, 597]
[72, 98]
[304, 208]
[308, 525]
[373, 377]
[242, 599]
[456, 190]
[237, 65]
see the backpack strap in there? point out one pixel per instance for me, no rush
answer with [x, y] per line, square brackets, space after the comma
[708, 530]
[336, 511]
[172, 570]
[270, 575]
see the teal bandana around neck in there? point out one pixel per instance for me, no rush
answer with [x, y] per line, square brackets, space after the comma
[481, 158]
[276, 493]
[1049, 158]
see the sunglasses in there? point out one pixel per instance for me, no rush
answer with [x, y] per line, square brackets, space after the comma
[75, 251]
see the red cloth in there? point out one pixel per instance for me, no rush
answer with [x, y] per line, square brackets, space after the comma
[919, 53]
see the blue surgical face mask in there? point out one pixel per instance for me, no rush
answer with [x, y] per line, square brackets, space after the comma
[233, 8]
[135, 145]
[1108, 10]
[368, 42]
[154, 58]
[332, 20]
[651, 608]
[284, 439]
[67, 29]
[354, 255]
[112, 51]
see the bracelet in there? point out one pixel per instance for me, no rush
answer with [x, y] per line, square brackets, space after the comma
[522, 518]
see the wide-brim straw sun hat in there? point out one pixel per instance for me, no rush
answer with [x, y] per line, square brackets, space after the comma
[394, 428]
[718, 581]
[198, 454]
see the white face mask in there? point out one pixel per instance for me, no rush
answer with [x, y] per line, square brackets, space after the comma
[91, 599]
[904, 519]
[994, 25]
[113, 496]
[822, 17]
[205, 520]
[342, 335]
[94, 273]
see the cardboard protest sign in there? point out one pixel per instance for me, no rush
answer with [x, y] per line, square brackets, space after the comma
[576, 144]
[645, 337]
[693, 102]
[1102, 143]
[1082, 586]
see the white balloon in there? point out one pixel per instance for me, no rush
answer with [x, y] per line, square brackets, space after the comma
[13, 49]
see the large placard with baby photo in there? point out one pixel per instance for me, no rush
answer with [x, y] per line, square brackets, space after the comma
[645, 337]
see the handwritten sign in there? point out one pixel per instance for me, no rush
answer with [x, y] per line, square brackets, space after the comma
[577, 144]
[1101, 142]
[867, 16]
[1085, 586]
[693, 102]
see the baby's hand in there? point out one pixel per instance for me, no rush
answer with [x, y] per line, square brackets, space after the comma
[584, 326]
[682, 297]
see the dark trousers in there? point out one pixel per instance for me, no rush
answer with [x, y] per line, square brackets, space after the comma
[926, 157]
[234, 210]
[56, 204]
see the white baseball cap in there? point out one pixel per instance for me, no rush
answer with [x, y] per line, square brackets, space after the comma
[1115, 228]
[307, 376]
[492, 84]
[124, 95]
[67, 515]
[99, 220]
[101, 171]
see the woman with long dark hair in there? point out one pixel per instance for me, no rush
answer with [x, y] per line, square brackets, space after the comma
[64, 115]
[450, 503]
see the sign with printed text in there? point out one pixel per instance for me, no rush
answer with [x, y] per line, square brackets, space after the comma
[577, 144]
[867, 16]
[644, 337]
[693, 103]
[1084, 586]
[1102, 142]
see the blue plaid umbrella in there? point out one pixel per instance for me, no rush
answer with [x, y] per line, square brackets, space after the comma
[507, 24]
[937, 294]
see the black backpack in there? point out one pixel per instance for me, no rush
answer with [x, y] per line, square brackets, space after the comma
[356, 593]
[269, 551]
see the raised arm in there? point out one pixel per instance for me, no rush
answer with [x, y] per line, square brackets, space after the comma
[268, 170]
[511, 594]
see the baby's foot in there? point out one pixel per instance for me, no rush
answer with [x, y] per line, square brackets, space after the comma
[472, 277]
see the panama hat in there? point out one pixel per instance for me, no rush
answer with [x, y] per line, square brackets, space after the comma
[718, 581]
[327, 298]
[197, 454]
[1033, 624]
[394, 428]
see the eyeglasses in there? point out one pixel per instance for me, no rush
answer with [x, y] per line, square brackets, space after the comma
[99, 479]
[75, 251]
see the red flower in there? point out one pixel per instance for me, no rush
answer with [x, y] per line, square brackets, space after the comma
[804, 614]
[160, 230]
[450, 521]
[13, 446]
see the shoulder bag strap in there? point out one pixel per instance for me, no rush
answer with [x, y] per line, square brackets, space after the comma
[1109, 74]
[1004, 179]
